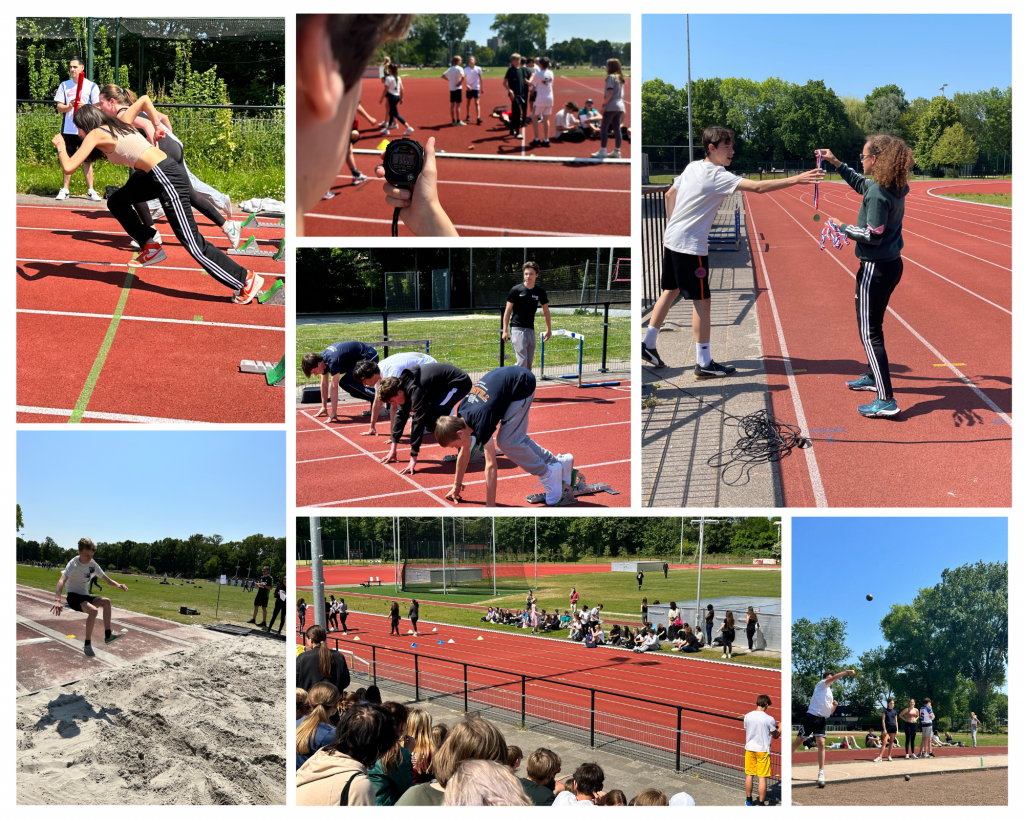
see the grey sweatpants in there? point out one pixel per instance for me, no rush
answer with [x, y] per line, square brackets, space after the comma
[515, 442]
[524, 342]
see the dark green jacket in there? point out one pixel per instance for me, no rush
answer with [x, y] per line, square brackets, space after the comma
[391, 785]
[878, 234]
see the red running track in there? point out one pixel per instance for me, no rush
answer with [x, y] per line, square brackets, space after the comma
[948, 334]
[723, 690]
[336, 466]
[171, 356]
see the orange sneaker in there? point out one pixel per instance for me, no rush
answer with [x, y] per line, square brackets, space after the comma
[253, 285]
[151, 253]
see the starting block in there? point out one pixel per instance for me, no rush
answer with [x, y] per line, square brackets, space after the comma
[250, 248]
[252, 220]
[273, 372]
[268, 294]
[580, 487]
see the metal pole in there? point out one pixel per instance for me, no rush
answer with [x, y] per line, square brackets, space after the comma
[374, 657]
[535, 552]
[682, 525]
[700, 563]
[593, 710]
[604, 340]
[689, 83]
[117, 50]
[88, 47]
[416, 673]
[522, 701]
[348, 548]
[679, 735]
[494, 560]
[444, 571]
[597, 280]
[465, 690]
[319, 604]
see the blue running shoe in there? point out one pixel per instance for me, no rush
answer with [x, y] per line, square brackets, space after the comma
[865, 382]
[879, 408]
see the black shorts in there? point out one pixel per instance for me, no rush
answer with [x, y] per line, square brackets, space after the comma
[680, 270]
[456, 96]
[814, 726]
[72, 142]
[471, 94]
[262, 597]
[75, 600]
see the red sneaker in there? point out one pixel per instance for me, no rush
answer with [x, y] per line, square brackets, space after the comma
[253, 285]
[150, 254]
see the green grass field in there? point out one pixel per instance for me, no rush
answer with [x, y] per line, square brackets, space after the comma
[616, 591]
[984, 740]
[1004, 199]
[146, 595]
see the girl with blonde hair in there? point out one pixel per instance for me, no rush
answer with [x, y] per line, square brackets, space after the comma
[420, 743]
[614, 110]
[315, 730]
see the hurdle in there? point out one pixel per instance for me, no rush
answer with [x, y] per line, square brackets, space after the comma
[578, 375]
[727, 234]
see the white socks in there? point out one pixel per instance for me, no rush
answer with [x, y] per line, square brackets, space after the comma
[652, 337]
[703, 354]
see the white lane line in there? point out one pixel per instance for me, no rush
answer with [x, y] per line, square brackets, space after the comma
[496, 230]
[124, 264]
[963, 378]
[107, 214]
[107, 416]
[208, 236]
[159, 320]
[965, 201]
[522, 187]
[812, 462]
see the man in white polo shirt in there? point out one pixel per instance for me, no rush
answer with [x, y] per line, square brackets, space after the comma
[66, 97]
[818, 711]
[474, 87]
[456, 77]
[690, 207]
[542, 82]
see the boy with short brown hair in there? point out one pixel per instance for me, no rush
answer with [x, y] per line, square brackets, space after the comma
[77, 576]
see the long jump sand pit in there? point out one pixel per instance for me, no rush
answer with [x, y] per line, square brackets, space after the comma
[203, 726]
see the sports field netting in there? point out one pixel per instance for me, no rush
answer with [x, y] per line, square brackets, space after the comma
[354, 552]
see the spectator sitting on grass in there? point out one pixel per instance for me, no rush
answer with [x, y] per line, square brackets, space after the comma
[585, 786]
[660, 631]
[650, 642]
[564, 620]
[482, 782]
[615, 635]
[392, 774]
[627, 637]
[419, 741]
[598, 630]
[515, 758]
[687, 641]
[872, 740]
[315, 730]
[364, 734]
[473, 738]
[487, 617]
[651, 797]
[540, 785]
[615, 799]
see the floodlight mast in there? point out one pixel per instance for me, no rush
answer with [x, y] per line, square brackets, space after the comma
[700, 556]
[319, 604]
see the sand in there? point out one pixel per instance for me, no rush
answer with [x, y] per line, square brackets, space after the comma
[205, 726]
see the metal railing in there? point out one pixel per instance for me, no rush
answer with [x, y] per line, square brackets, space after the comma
[679, 741]
[652, 232]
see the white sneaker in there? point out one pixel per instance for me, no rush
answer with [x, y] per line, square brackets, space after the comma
[233, 232]
[95, 197]
[385, 131]
[228, 211]
[821, 779]
[158, 213]
[157, 238]
[408, 131]
[723, 657]
[602, 154]
[566, 463]
[878, 759]
[616, 154]
[63, 193]
[328, 195]
[552, 483]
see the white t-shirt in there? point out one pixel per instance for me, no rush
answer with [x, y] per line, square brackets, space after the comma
[569, 798]
[543, 82]
[78, 574]
[759, 727]
[393, 85]
[564, 119]
[821, 700]
[473, 76]
[66, 96]
[927, 715]
[700, 191]
[394, 365]
[454, 76]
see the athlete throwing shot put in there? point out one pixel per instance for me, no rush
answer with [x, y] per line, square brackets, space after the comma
[76, 577]
[818, 711]
[878, 240]
[426, 392]
[504, 397]
[336, 368]
[690, 207]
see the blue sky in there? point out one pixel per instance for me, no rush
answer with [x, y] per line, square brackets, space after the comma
[853, 54]
[148, 485]
[611, 27]
[890, 558]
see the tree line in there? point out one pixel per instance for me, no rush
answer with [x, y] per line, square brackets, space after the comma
[950, 644]
[775, 120]
[566, 539]
[434, 38]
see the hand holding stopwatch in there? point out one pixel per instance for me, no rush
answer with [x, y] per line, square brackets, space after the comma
[403, 162]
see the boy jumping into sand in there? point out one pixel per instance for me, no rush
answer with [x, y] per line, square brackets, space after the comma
[503, 396]
[77, 576]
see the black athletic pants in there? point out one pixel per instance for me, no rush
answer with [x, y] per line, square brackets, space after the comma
[393, 110]
[750, 636]
[517, 114]
[196, 199]
[876, 282]
[910, 734]
[278, 609]
[169, 183]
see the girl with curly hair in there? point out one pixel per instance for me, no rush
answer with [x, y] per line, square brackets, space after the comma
[878, 238]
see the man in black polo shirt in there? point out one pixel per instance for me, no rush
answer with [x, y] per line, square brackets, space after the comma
[521, 304]
[516, 83]
[425, 391]
[334, 366]
[264, 585]
[503, 396]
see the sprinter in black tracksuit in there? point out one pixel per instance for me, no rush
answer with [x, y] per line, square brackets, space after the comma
[878, 238]
[426, 392]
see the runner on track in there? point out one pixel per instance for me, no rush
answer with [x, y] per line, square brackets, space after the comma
[333, 50]
[370, 373]
[474, 88]
[336, 366]
[819, 709]
[115, 101]
[503, 396]
[394, 91]
[690, 208]
[161, 178]
[77, 575]
[878, 235]
[426, 392]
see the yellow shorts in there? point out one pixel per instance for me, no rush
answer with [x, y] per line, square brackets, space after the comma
[756, 763]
